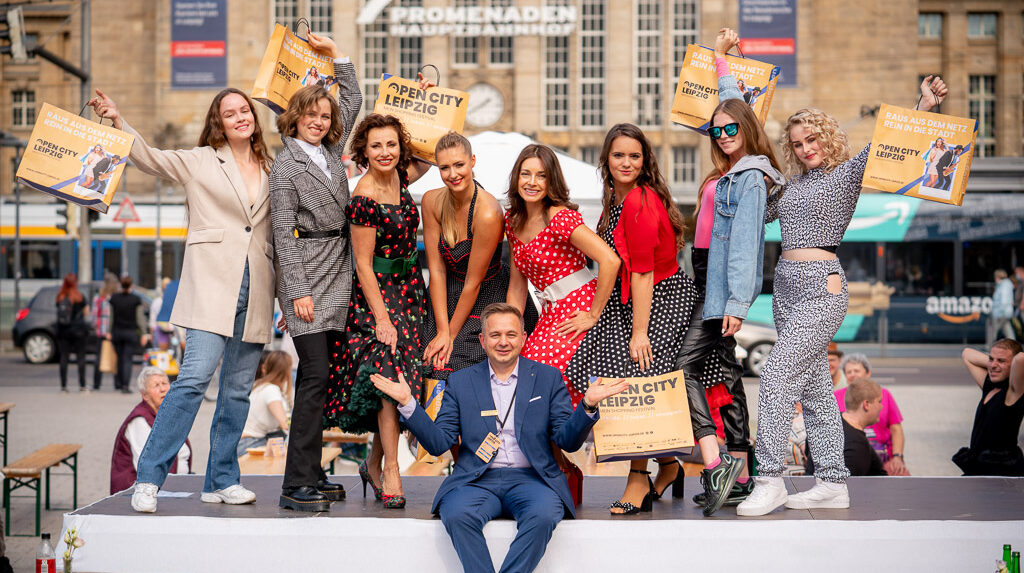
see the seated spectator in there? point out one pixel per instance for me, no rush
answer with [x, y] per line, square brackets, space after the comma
[269, 402]
[886, 436]
[994, 449]
[863, 403]
[835, 357]
[153, 385]
[796, 453]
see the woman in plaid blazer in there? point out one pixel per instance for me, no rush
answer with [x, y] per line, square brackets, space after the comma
[308, 196]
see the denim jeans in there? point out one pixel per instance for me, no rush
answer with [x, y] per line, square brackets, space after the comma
[203, 351]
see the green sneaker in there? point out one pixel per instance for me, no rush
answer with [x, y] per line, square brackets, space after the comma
[738, 493]
[718, 482]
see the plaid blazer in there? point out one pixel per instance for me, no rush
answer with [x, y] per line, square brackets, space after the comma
[303, 198]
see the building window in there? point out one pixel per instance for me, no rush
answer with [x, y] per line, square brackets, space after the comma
[929, 26]
[465, 50]
[590, 154]
[981, 96]
[23, 108]
[685, 24]
[286, 12]
[375, 60]
[592, 63]
[320, 16]
[410, 50]
[647, 81]
[684, 165]
[556, 82]
[501, 48]
[982, 24]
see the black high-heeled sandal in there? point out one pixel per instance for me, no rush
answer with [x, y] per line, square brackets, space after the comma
[645, 505]
[677, 484]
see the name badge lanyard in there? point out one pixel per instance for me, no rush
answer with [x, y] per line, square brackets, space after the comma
[501, 421]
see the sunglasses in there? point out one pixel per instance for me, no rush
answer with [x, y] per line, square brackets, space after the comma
[731, 130]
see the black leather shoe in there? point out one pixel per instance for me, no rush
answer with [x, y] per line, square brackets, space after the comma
[333, 491]
[305, 498]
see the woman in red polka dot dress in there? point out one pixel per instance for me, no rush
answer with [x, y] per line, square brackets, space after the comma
[549, 243]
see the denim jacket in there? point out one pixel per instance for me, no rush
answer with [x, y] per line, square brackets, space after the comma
[736, 256]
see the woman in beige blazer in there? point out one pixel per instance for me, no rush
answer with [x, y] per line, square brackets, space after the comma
[225, 299]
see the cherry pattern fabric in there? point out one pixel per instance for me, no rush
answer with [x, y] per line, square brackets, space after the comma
[545, 259]
[352, 400]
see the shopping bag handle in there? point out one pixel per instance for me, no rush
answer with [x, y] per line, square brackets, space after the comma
[295, 27]
[81, 113]
[437, 71]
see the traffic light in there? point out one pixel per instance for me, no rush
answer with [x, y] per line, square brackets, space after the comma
[13, 36]
[62, 217]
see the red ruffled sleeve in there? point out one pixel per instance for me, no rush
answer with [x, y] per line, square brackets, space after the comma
[640, 220]
[564, 223]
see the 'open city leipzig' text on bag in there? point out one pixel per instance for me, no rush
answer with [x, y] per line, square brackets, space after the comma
[921, 154]
[651, 418]
[697, 91]
[74, 159]
[426, 114]
[290, 64]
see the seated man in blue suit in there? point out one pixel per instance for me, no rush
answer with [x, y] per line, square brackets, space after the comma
[508, 410]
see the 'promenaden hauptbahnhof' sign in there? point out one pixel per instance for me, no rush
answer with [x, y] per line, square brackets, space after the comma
[481, 21]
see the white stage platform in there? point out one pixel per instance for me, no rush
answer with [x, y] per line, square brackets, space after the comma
[895, 524]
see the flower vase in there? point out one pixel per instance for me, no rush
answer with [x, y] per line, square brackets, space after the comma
[67, 565]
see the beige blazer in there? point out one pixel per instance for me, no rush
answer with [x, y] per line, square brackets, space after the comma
[223, 233]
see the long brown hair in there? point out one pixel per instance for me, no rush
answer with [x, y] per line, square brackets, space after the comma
[755, 142]
[557, 191]
[277, 370]
[300, 103]
[213, 130]
[361, 135]
[649, 178]
[449, 226]
[69, 289]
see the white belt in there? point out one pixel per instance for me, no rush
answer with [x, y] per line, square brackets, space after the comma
[561, 288]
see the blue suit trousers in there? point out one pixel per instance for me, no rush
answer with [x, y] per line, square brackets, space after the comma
[514, 492]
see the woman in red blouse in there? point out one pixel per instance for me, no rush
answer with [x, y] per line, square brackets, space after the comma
[643, 325]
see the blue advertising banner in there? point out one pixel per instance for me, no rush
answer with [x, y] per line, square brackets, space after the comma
[199, 44]
[768, 33]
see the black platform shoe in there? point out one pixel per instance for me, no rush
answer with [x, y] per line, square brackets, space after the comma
[305, 498]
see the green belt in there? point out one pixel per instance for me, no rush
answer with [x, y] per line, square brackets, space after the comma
[394, 266]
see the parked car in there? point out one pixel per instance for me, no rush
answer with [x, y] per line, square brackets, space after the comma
[35, 326]
[758, 340]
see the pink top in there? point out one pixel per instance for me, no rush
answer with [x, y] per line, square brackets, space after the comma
[890, 414]
[706, 216]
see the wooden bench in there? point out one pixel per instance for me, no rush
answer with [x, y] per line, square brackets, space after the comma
[28, 472]
[336, 436]
[5, 407]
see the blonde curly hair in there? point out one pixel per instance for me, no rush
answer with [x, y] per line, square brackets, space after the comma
[835, 144]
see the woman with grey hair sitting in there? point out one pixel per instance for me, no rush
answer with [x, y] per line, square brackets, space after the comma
[886, 436]
[153, 385]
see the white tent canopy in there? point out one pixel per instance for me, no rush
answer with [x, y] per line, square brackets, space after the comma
[496, 153]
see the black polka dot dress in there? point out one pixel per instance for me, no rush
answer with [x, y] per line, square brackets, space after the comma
[604, 351]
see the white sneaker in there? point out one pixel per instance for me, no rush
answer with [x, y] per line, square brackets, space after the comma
[768, 495]
[824, 495]
[233, 495]
[144, 498]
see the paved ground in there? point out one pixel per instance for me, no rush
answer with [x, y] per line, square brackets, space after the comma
[937, 401]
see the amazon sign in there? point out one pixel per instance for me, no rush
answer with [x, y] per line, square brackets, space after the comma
[958, 309]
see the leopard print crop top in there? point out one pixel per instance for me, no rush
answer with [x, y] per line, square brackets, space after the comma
[814, 209]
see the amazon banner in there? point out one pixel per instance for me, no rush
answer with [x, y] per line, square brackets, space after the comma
[921, 154]
[288, 65]
[74, 159]
[426, 114]
[697, 91]
[651, 418]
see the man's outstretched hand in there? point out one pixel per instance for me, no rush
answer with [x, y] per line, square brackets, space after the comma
[398, 391]
[598, 392]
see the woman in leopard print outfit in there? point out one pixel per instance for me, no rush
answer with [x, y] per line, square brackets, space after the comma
[810, 302]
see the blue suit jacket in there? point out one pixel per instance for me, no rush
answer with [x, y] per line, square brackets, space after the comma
[543, 413]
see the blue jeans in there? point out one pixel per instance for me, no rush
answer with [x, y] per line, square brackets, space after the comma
[203, 350]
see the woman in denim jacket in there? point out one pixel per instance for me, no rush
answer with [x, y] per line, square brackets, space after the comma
[729, 250]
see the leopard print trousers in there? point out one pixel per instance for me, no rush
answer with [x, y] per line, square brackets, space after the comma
[807, 317]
